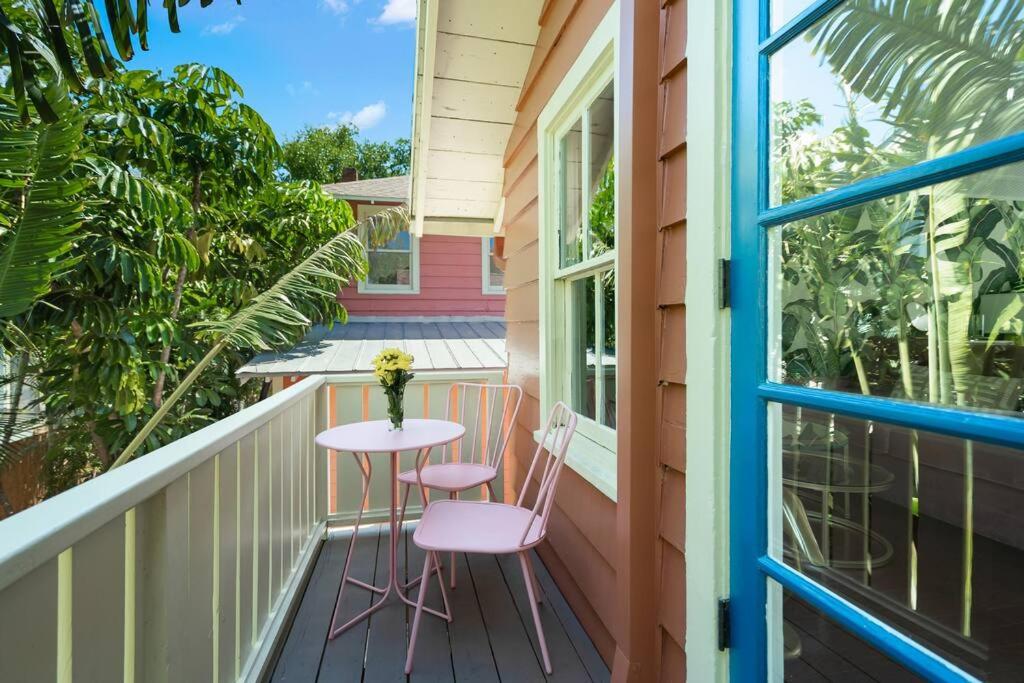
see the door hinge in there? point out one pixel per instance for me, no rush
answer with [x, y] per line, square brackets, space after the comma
[724, 283]
[723, 624]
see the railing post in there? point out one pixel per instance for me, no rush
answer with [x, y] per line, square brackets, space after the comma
[320, 458]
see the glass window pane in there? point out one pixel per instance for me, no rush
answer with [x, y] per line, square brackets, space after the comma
[601, 193]
[917, 296]
[814, 648]
[608, 345]
[400, 242]
[922, 530]
[876, 86]
[495, 268]
[389, 268]
[581, 349]
[783, 11]
[570, 224]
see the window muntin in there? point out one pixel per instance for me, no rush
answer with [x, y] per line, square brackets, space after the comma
[873, 87]
[918, 296]
[826, 173]
[919, 529]
[493, 268]
[585, 281]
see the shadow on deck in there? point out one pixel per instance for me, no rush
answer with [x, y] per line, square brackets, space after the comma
[490, 639]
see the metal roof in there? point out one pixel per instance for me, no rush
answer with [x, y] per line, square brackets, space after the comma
[393, 189]
[437, 343]
[472, 59]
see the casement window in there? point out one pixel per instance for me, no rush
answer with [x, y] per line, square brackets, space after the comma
[394, 266]
[493, 267]
[877, 368]
[576, 143]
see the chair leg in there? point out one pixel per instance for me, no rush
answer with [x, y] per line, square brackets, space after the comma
[538, 593]
[494, 496]
[524, 562]
[440, 584]
[453, 495]
[419, 613]
[405, 502]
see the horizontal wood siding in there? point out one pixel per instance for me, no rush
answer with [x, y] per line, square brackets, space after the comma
[451, 283]
[581, 551]
[671, 341]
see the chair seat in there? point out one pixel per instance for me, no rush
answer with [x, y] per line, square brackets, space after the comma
[467, 526]
[451, 476]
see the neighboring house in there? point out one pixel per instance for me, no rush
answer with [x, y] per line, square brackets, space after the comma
[452, 269]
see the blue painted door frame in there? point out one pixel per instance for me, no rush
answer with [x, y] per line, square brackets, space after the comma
[750, 565]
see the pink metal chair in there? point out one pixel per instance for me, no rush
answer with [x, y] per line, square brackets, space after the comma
[461, 526]
[476, 460]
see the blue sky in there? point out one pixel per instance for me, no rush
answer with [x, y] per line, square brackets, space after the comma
[302, 62]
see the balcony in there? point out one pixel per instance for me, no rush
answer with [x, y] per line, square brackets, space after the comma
[490, 639]
[217, 558]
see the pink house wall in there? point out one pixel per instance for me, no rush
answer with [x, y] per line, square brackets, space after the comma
[451, 283]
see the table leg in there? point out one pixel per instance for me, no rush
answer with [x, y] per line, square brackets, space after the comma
[366, 473]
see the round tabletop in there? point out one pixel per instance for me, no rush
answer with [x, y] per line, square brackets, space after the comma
[377, 436]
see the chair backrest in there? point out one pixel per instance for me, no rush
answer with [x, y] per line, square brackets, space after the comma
[552, 449]
[488, 412]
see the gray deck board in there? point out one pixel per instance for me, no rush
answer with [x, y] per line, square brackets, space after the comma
[491, 638]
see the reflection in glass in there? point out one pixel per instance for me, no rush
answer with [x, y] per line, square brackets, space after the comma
[876, 86]
[916, 296]
[816, 649]
[570, 223]
[606, 342]
[922, 530]
[601, 179]
[495, 268]
[582, 349]
[783, 11]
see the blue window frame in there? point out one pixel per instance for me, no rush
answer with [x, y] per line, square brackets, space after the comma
[754, 215]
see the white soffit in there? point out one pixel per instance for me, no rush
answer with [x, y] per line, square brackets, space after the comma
[471, 60]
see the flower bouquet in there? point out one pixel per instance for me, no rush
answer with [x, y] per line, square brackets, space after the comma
[392, 368]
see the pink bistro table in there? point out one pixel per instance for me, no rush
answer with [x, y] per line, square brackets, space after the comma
[364, 440]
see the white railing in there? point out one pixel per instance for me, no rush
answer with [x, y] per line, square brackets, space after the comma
[179, 566]
[184, 564]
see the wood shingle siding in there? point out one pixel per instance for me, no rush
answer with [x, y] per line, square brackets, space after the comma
[671, 342]
[581, 553]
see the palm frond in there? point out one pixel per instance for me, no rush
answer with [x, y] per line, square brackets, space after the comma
[274, 316]
[35, 38]
[44, 210]
[945, 71]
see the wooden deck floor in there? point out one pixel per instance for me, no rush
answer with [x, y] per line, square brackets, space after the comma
[490, 639]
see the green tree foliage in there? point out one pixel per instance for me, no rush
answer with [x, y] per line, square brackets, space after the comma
[322, 154]
[133, 230]
[51, 47]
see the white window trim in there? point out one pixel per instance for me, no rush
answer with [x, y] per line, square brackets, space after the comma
[592, 453]
[364, 287]
[485, 269]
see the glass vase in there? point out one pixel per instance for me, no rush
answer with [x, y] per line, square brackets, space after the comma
[396, 406]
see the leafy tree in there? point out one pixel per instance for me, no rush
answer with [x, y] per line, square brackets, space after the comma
[383, 159]
[171, 221]
[46, 43]
[321, 154]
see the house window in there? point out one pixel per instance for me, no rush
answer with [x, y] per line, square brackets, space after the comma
[578, 258]
[493, 268]
[394, 265]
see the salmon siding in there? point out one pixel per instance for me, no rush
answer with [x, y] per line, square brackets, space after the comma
[451, 284]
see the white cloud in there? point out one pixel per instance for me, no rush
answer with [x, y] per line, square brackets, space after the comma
[367, 117]
[224, 28]
[335, 6]
[303, 88]
[398, 12]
